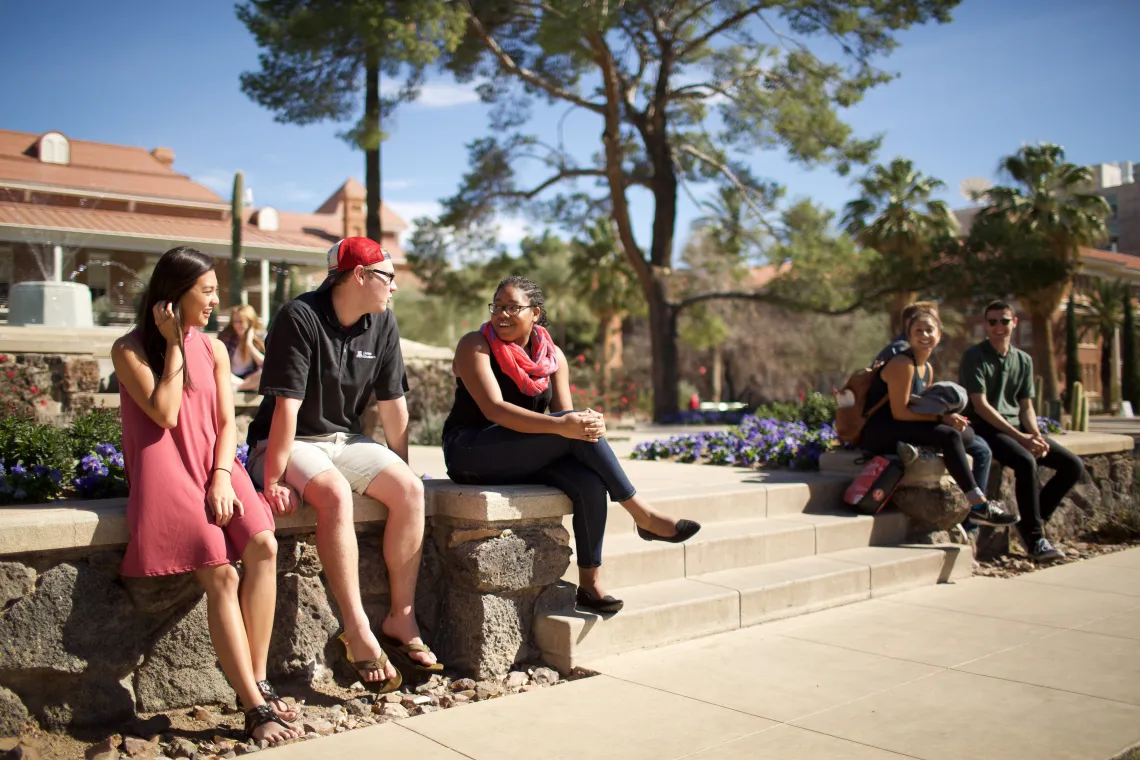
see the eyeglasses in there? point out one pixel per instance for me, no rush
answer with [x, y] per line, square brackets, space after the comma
[513, 310]
[1003, 320]
[387, 277]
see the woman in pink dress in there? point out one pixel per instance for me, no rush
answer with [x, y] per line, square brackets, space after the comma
[192, 507]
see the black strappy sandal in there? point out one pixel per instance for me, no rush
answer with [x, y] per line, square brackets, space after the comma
[686, 529]
[605, 604]
[268, 693]
[259, 716]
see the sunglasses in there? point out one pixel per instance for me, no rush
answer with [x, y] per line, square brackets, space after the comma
[1003, 320]
[513, 309]
[387, 277]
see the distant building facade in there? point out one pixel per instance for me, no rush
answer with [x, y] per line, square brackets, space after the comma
[107, 212]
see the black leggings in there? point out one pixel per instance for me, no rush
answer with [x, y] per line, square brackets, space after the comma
[882, 434]
[589, 473]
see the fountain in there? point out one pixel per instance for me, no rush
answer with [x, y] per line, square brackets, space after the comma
[50, 302]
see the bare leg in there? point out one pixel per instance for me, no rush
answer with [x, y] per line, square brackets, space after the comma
[399, 489]
[331, 496]
[258, 595]
[648, 518]
[227, 633]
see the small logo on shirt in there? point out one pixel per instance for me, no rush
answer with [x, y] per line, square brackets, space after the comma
[365, 355]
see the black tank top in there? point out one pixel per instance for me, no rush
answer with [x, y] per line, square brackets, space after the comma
[878, 390]
[465, 413]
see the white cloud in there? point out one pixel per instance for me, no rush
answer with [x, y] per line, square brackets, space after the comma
[398, 184]
[512, 230]
[218, 180]
[409, 211]
[446, 95]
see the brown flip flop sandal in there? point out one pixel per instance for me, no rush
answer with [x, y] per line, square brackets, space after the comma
[400, 652]
[384, 685]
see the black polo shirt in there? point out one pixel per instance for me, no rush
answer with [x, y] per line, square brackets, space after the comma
[309, 355]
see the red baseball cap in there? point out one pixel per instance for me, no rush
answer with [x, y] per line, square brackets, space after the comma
[350, 253]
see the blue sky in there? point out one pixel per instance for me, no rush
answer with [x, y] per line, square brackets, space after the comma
[166, 73]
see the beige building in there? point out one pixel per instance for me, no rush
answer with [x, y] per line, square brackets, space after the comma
[102, 214]
[1116, 182]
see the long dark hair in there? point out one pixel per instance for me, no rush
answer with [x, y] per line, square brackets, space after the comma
[174, 274]
[533, 293]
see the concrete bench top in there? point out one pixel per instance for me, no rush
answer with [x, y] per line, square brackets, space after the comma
[76, 524]
[842, 461]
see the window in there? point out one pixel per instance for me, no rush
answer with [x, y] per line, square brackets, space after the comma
[6, 256]
[54, 149]
[98, 274]
[1026, 329]
[979, 331]
[1112, 204]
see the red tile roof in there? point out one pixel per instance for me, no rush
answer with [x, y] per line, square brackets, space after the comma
[95, 221]
[98, 167]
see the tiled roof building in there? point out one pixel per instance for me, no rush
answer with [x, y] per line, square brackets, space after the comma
[107, 212]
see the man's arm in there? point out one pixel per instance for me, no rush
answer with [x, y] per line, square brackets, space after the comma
[989, 414]
[282, 430]
[393, 416]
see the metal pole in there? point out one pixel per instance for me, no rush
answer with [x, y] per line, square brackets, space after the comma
[57, 263]
[265, 291]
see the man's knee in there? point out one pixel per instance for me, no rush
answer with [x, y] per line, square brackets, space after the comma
[329, 493]
[398, 487]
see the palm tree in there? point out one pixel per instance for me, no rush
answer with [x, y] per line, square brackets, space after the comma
[1050, 202]
[895, 216]
[1102, 316]
[600, 269]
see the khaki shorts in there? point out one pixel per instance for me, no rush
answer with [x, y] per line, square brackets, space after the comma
[357, 457]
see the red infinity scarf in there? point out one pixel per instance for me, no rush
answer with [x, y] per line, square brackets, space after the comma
[531, 374]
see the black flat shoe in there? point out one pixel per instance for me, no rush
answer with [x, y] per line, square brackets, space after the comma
[606, 604]
[686, 529]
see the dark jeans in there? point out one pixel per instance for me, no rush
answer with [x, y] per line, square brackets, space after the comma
[1035, 503]
[882, 434]
[588, 473]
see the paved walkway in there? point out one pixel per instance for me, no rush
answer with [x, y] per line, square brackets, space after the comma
[1043, 666]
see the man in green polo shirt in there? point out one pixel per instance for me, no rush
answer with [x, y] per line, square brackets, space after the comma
[999, 379]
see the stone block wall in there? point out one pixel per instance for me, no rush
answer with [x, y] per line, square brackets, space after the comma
[1104, 496]
[80, 646]
[47, 384]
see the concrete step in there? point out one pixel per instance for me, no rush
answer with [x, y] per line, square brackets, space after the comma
[654, 614]
[773, 496]
[630, 561]
[668, 611]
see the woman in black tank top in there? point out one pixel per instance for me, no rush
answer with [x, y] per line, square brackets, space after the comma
[499, 434]
[892, 422]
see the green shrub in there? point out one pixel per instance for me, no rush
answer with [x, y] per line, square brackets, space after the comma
[34, 458]
[817, 409]
[97, 426]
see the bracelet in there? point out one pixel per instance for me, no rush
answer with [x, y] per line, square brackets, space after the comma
[223, 469]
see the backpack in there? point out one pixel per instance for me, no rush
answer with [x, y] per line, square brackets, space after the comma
[850, 419]
[874, 486]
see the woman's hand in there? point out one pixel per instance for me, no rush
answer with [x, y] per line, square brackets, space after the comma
[163, 312]
[583, 426]
[956, 421]
[222, 499]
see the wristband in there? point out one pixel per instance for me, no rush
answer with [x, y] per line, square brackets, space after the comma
[223, 469]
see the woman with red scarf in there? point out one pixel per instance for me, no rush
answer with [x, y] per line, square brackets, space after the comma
[511, 423]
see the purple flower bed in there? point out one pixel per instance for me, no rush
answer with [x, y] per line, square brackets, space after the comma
[754, 442]
[102, 475]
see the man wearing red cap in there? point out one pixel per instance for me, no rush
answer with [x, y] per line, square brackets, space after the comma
[327, 353]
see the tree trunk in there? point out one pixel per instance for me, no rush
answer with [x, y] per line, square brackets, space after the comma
[373, 228]
[1105, 373]
[609, 358]
[1044, 354]
[717, 373]
[1114, 373]
[663, 340]
[1130, 381]
[899, 301]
